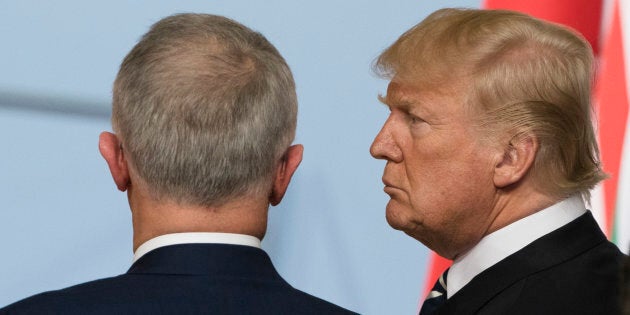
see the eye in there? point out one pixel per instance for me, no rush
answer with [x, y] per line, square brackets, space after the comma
[414, 119]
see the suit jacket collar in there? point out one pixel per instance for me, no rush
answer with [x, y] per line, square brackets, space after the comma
[208, 259]
[556, 247]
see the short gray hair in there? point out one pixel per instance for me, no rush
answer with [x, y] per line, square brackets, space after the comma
[205, 108]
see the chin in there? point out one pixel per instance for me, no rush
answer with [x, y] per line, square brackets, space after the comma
[395, 218]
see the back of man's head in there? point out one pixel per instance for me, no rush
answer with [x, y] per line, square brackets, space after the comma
[204, 108]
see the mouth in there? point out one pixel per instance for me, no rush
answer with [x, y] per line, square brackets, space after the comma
[387, 183]
[389, 187]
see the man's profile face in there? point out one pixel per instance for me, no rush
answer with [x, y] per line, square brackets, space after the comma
[438, 172]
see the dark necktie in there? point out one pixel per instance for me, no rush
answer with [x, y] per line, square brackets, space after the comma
[436, 297]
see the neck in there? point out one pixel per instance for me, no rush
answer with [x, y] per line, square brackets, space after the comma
[153, 218]
[508, 206]
[513, 206]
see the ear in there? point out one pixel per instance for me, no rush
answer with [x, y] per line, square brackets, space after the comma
[518, 158]
[290, 162]
[112, 151]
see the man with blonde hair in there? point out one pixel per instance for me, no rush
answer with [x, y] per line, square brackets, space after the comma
[204, 113]
[491, 155]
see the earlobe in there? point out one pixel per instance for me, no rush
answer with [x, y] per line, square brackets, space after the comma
[112, 151]
[518, 157]
[283, 173]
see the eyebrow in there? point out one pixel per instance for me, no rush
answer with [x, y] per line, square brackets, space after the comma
[400, 103]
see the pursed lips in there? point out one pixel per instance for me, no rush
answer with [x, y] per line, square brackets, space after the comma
[389, 186]
[387, 183]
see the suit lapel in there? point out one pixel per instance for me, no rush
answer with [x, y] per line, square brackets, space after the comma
[547, 251]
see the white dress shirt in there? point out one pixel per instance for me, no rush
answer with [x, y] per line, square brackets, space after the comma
[195, 238]
[504, 242]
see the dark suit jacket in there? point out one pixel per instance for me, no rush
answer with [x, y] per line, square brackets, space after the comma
[572, 270]
[184, 279]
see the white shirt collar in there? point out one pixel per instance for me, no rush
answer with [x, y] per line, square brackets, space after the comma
[195, 238]
[504, 242]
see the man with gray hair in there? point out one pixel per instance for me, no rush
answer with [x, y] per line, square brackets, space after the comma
[204, 113]
[490, 156]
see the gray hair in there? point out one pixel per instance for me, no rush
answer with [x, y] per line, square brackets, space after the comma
[205, 108]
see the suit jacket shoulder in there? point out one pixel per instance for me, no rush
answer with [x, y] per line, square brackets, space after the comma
[184, 279]
[573, 270]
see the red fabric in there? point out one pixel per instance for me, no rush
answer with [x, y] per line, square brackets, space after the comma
[437, 265]
[611, 99]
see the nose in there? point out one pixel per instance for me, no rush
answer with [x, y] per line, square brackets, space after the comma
[384, 146]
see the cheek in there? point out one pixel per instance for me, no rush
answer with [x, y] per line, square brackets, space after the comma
[442, 189]
[432, 179]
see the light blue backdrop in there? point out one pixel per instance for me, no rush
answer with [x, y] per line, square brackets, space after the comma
[62, 220]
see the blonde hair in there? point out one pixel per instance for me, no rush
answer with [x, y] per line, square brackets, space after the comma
[205, 108]
[524, 76]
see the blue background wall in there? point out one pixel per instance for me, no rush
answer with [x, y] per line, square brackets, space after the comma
[62, 220]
